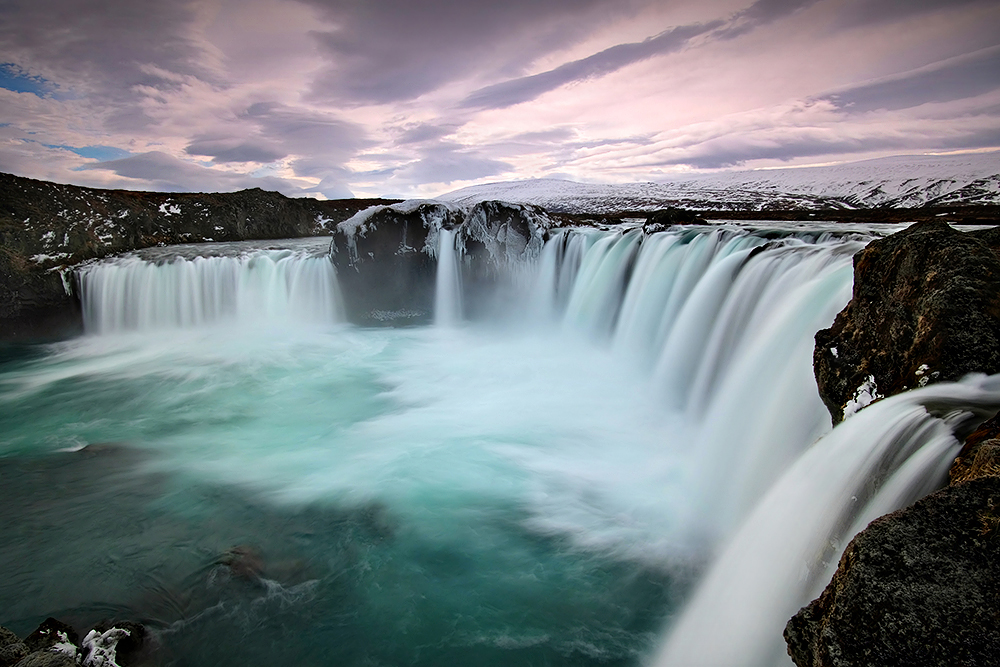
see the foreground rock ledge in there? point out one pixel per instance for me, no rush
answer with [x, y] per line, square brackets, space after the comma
[925, 308]
[920, 586]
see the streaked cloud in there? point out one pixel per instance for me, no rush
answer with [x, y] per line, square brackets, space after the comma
[414, 97]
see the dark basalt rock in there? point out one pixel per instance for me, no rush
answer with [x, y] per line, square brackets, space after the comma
[665, 218]
[926, 308]
[386, 259]
[47, 659]
[131, 646]
[385, 265]
[980, 456]
[920, 586]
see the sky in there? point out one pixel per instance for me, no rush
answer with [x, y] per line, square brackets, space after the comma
[414, 98]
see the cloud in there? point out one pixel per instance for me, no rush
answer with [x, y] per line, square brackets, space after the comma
[817, 128]
[424, 132]
[957, 78]
[169, 174]
[448, 163]
[224, 151]
[88, 50]
[307, 131]
[525, 89]
[383, 51]
[865, 12]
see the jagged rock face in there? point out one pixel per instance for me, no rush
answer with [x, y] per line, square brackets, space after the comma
[45, 227]
[926, 308]
[386, 262]
[386, 258]
[920, 586]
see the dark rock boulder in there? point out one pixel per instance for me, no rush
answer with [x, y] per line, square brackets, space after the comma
[980, 456]
[920, 586]
[386, 257]
[124, 640]
[925, 308]
[48, 659]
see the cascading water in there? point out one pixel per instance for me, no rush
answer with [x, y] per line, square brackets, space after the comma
[537, 490]
[448, 285]
[255, 287]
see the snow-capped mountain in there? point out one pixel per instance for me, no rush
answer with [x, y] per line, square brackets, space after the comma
[905, 181]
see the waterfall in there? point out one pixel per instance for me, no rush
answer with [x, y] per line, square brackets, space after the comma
[261, 287]
[885, 457]
[725, 325]
[448, 284]
[724, 328]
[732, 460]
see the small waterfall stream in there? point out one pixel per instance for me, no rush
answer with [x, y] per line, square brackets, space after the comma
[448, 283]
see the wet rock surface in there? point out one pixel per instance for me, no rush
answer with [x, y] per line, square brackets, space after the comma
[925, 308]
[386, 262]
[920, 586]
[386, 258]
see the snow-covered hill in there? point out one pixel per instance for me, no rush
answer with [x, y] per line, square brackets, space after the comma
[899, 182]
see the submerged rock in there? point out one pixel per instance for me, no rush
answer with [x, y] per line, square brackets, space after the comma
[925, 308]
[920, 586]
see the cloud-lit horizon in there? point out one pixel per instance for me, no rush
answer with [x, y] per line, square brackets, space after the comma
[413, 98]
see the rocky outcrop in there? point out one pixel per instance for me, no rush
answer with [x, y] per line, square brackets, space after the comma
[56, 644]
[386, 256]
[665, 218]
[926, 308]
[920, 586]
[980, 457]
[47, 227]
[385, 259]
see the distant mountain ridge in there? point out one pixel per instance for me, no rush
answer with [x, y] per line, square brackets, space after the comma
[906, 181]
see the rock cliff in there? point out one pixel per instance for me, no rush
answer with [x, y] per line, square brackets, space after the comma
[926, 308]
[386, 256]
